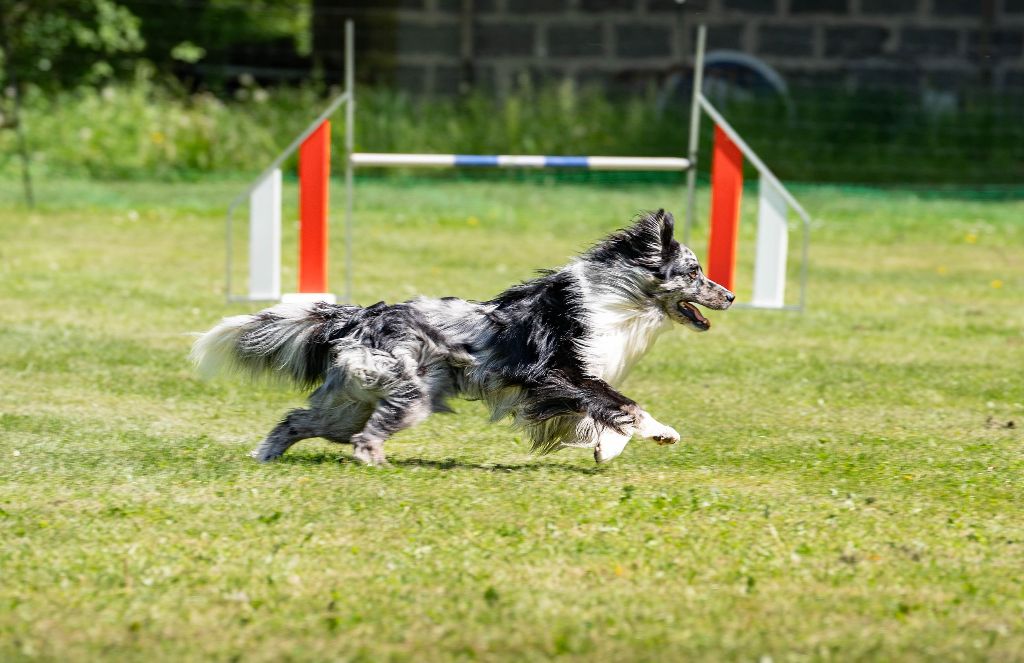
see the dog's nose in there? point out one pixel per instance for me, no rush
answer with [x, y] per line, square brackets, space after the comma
[730, 297]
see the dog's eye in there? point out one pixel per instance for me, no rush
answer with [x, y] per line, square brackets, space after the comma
[693, 272]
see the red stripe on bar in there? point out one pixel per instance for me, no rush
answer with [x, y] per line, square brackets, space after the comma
[726, 193]
[314, 172]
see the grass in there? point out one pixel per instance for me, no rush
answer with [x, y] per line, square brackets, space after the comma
[848, 487]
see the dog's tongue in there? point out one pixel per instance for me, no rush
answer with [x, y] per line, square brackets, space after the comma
[691, 312]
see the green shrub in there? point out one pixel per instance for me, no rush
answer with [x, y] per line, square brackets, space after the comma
[142, 129]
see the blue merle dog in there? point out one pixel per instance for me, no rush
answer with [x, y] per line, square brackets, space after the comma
[548, 353]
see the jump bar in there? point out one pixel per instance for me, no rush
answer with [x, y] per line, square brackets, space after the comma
[394, 160]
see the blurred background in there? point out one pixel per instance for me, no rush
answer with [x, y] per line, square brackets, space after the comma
[925, 93]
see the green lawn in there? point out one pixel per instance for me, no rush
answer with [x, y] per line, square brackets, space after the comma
[848, 486]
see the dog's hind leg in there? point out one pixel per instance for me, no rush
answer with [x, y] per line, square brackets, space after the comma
[611, 442]
[334, 414]
[605, 440]
[297, 425]
[342, 407]
[405, 405]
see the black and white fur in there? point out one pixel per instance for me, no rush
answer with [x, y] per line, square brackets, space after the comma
[547, 353]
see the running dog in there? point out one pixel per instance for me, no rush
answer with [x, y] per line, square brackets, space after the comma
[547, 353]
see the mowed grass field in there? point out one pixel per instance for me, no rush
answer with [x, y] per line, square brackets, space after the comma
[848, 486]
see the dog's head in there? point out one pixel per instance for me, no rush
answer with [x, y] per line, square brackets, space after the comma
[670, 273]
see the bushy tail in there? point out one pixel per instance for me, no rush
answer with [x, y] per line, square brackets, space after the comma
[288, 340]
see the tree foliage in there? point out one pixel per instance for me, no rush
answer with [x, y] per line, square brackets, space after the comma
[39, 38]
[221, 35]
[54, 42]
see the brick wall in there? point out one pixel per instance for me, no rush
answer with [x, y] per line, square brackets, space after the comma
[438, 46]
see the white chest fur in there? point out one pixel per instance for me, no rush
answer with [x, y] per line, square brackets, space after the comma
[618, 340]
[623, 323]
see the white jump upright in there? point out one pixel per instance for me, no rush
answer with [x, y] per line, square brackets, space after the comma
[772, 248]
[775, 202]
[264, 197]
[265, 238]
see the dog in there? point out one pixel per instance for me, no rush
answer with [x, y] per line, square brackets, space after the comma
[548, 353]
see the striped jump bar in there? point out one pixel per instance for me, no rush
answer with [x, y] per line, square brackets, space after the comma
[517, 161]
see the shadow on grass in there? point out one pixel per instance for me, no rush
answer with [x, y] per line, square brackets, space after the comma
[442, 464]
[451, 463]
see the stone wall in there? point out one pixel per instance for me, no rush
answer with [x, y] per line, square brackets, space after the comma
[442, 46]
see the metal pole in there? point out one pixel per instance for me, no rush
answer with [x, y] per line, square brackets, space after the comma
[288, 151]
[767, 175]
[691, 175]
[350, 92]
[803, 260]
[274, 165]
[229, 255]
[763, 170]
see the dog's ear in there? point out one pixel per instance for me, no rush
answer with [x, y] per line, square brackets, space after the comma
[669, 246]
[646, 243]
[668, 227]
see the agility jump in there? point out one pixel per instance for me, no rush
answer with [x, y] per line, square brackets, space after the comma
[313, 144]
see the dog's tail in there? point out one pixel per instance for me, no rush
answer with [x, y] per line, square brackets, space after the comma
[288, 340]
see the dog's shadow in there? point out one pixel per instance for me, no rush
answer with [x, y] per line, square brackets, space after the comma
[444, 464]
[451, 464]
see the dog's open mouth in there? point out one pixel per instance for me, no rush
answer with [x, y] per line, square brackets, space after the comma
[690, 312]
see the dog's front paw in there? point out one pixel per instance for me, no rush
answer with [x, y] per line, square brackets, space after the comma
[660, 433]
[650, 428]
[666, 435]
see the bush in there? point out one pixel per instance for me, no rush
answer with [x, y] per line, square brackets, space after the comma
[142, 129]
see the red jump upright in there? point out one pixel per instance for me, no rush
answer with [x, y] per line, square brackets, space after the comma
[314, 173]
[726, 193]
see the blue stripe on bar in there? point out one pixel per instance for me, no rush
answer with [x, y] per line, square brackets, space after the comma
[566, 162]
[476, 160]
